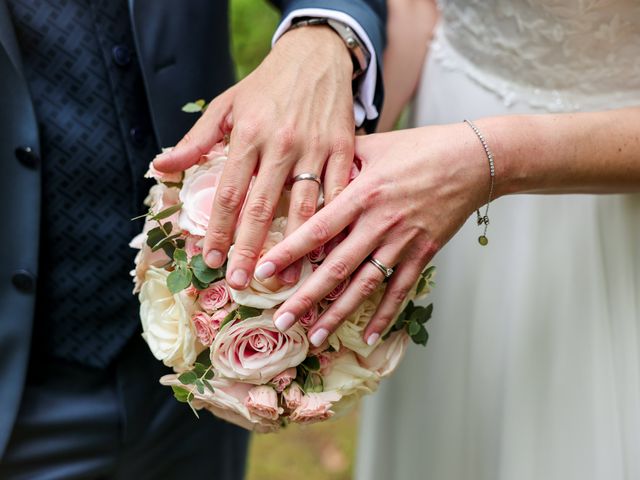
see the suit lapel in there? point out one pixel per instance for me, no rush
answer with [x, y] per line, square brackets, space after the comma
[8, 40]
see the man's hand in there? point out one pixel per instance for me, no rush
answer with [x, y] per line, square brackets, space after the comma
[292, 115]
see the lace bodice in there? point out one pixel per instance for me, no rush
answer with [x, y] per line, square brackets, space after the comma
[561, 55]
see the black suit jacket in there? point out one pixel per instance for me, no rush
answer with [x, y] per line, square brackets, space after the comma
[183, 49]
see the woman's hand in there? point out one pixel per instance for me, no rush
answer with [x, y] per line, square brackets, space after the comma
[416, 189]
[292, 115]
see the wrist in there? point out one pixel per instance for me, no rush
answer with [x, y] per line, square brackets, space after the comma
[322, 43]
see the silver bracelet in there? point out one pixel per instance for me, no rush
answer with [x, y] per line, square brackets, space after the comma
[484, 220]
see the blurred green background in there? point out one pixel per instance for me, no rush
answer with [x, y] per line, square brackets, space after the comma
[317, 452]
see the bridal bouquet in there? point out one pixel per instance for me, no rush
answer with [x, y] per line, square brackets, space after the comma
[227, 355]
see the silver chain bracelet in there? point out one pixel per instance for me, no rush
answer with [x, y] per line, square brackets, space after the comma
[484, 219]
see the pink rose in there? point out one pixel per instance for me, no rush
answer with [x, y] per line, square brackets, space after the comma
[282, 380]
[193, 246]
[214, 297]
[309, 318]
[315, 407]
[205, 329]
[292, 396]
[255, 351]
[153, 172]
[336, 292]
[197, 194]
[317, 254]
[263, 401]
[226, 402]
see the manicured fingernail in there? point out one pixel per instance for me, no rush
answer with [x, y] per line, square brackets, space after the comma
[284, 321]
[373, 338]
[214, 258]
[319, 336]
[264, 271]
[239, 277]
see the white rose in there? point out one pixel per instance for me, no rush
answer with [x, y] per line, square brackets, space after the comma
[347, 377]
[166, 321]
[227, 402]
[350, 333]
[386, 357]
[255, 351]
[270, 292]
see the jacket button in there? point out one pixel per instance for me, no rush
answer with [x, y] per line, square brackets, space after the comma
[138, 136]
[27, 157]
[121, 55]
[24, 281]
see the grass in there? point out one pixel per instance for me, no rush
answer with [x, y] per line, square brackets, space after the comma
[318, 452]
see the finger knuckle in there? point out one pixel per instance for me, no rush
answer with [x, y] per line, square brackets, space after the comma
[247, 131]
[320, 232]
[381, 322]
[260, 210]
[367, 285]
[398, 294]
[229, 198]
[305, 302]
[245, 252]
[285, 139]
[338, 270]
[217, 236]
[304, 207]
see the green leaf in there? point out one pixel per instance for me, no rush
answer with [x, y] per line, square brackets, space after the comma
[204, 358]
[178, 280]
[166, 241]
[180, 256]
[167, 212]
[414, 328]
[229, 318]
[312, 364]
[248, 312]
[200, 387]
[155, 236]
[192, 107]
[201, 102]
[188, 378]
[198, 284]
[199, 369]
[203, 272]
[421, 284]
[400, 320]
[168, 249]
[427, 313]
[429, 271]
[208, 385]
[421, 337]
[181, 394]
[209, 374]
[180, 243]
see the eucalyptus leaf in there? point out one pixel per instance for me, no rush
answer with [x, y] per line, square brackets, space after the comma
[188, 378]
[421, 337]
[414, 328]
[208, 385]
[155, 236]
[203, 272]
[181, 394]
[429, 271]
[168, 249]
[198, 284]
[204, 358]
[229, 318]
[192, 107]
[312, 364]
[248, 312]
[178, 280]
[167, 212]
[180, 256]
[421, 284]
[199, 369]
[200, 387]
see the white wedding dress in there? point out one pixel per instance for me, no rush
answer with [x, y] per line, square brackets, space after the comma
[532, 371]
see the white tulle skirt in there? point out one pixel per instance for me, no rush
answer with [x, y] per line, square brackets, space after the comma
[532, 370]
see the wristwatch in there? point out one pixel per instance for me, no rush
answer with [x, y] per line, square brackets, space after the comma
[358, 51]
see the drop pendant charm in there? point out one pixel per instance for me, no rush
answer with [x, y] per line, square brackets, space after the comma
[483, 240]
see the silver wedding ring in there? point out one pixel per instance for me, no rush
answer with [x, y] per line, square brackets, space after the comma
[307, 176]
[386, 271]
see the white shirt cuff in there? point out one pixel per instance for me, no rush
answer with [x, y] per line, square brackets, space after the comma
[363, 106]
